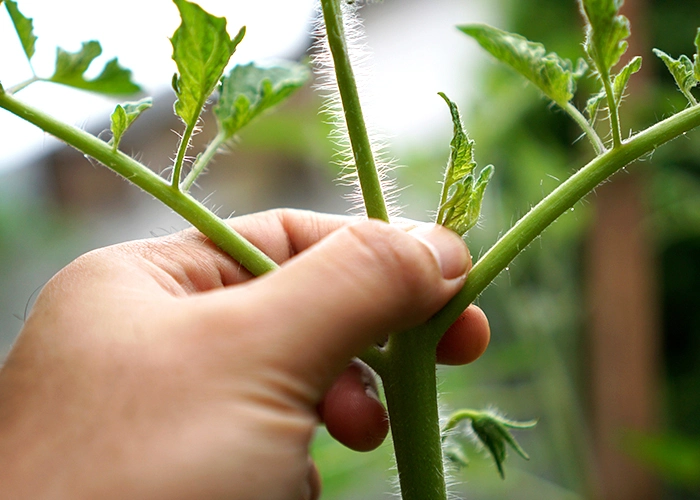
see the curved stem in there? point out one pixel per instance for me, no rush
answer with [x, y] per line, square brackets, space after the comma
[198, 215]
[581, 121]
[359, 138]
[563, 198]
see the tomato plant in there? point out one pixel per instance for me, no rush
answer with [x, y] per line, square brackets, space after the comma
[202, 48]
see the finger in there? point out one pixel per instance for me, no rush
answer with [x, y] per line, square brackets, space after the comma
[466, 340]
[344, 294]
[189, 261]
[352, 411]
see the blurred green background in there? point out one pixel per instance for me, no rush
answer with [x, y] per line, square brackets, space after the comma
[617, 406]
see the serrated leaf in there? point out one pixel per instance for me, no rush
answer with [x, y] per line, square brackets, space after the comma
[124, 115]
[249, 90]
[24, 27]
[71, 67]
[553, 75]
[606, 33]
[623, 77]
[201, 49]
[683, 73]
[462, 195]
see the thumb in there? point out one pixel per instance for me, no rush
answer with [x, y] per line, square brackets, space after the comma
[353, 288]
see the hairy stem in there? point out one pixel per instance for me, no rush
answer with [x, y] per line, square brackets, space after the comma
[181, 151]
[190, 209]
[410, 386]
[563, 198]
[357, 130]
[200, 164]
[581, 121]
[612, 110]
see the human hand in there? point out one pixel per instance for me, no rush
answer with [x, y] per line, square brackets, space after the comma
[160, 369]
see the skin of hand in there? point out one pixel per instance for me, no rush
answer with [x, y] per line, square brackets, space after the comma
[159, 369]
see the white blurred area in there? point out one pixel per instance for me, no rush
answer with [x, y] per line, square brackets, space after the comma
[416, 53]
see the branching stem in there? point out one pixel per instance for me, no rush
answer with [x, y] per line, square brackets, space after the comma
[563, 198]
[202, 161]
[198, 215]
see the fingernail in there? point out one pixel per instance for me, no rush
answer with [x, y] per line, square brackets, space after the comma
[449, 250]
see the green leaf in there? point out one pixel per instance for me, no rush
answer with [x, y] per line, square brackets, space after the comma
[24, 27]
[249, 90]
[623, 77]
[462, 195]
[201, 50]
[683, 72]
[124, 115]
[605, 34]
[619, 85]
[71, 67]
[492, 431]
[553, 75]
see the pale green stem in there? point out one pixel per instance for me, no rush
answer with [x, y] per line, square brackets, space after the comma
[359, 138]
[200, 164]
[458, 417]
[216, 229]
[581, 121]
[22, 85]
[181, 152]
[612, 110]
[559, 201]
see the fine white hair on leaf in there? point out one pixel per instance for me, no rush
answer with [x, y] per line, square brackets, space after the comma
[327, 86]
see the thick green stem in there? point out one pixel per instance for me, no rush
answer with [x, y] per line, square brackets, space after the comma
[410, 387]
[200, 164]
[354, 119]
[581, 121]
[530, 226]
[199, 216]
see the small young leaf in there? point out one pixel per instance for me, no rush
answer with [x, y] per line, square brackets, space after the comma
[623, 77]
[683, 72]
[462, 195]
[71, 67]
[492, 431]
[248, 90]
[24, 27]
[619, 85]
[124, 115]
[606, 33]
[553, 75]
[201, 50]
